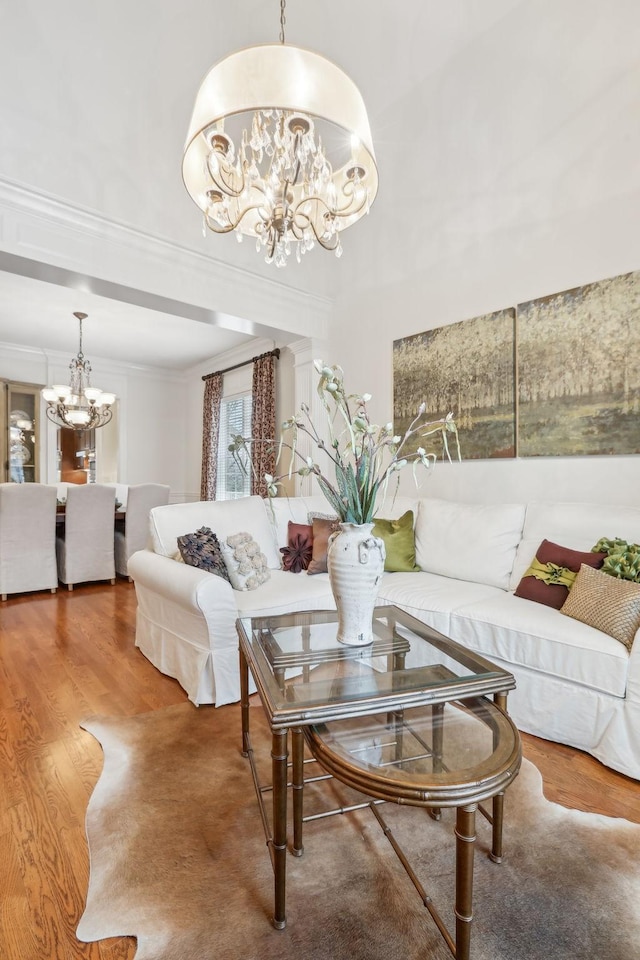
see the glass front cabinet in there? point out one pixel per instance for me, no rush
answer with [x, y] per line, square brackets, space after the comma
[20, 419]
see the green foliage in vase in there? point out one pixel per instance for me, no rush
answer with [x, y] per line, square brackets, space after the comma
[365, 457]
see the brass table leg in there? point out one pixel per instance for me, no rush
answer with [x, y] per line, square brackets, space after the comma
[437, 747]
[297, 783]
[465, 841]
[279, 754]
[500, 699]
[496, 836]
[244, 703]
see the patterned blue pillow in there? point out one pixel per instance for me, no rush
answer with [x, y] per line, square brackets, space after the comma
[202, 549]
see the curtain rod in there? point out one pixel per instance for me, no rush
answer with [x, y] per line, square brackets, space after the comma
[270, 353]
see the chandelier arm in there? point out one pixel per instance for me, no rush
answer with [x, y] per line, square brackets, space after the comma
[220, 228]
[223, 184]
[58, 415]
[233, 224]
[340, 212]
[309, 224]
[54, 416]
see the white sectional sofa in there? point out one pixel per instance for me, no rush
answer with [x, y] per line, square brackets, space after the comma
[575, 684]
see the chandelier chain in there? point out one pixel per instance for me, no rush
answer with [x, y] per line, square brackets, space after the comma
[283, 19]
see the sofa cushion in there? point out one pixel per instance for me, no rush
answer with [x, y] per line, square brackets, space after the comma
[286, 594]
[429, 597]
[553, 572]
[469, 541]
[394, 506]
[575, 525]
[539, 638]
[202, 549]
[604, 602]
[399, 543]
[224, 517]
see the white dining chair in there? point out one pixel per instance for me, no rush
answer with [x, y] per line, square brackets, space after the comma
[85, 545]
[131, 533]
[27, 538]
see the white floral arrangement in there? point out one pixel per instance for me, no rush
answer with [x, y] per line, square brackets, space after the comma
[365, 456]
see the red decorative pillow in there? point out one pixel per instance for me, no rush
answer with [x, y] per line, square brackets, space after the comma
[552, 572]
[322, 530]
[296, 556]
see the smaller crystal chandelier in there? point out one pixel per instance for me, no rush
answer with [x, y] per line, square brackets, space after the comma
[78, 406]
[279, 149]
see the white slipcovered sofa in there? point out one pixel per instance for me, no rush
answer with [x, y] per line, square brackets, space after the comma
[575, 684]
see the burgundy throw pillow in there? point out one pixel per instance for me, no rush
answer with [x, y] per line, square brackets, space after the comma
[322, 530]
[549, 585]
[296, 556]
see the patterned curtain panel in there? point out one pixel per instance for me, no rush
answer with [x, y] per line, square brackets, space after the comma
[263, 420]
[210, 432]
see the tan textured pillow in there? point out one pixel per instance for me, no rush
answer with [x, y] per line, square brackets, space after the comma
[605, 603]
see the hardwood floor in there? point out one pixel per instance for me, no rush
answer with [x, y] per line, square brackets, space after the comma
[68, 656]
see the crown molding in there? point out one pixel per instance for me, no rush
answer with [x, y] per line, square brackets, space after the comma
[104, 365]
[46, 229]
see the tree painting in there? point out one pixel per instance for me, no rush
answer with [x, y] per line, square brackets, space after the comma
[579, 371]
[466, 368]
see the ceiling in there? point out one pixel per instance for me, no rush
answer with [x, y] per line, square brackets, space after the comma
[486, 107]
[39, 315]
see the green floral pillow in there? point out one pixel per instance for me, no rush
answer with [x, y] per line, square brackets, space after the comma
[623, 559]
[399, 543]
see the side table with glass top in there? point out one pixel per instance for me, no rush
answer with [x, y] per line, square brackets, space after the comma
[306, 679]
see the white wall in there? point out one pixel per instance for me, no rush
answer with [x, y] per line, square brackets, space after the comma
[525, 183]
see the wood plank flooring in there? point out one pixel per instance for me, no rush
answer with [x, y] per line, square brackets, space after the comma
[68, 656]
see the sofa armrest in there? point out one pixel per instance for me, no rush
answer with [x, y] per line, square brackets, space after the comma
[182, 584]
[633, 672]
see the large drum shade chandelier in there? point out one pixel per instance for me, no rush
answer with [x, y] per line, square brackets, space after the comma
[78, 405]
[279, 149]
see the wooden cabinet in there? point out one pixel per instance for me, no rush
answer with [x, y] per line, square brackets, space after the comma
[20, 429]
[77, 456]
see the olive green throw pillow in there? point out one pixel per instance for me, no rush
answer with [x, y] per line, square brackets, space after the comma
[399, 543]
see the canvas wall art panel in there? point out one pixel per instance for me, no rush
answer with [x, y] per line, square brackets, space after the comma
[466, 368]
[578, 359]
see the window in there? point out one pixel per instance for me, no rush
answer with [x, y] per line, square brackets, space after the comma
[235, 418]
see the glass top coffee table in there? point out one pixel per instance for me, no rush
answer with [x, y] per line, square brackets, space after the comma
[311, 684]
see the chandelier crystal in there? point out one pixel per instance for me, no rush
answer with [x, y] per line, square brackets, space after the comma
[279, 149]
[78, 406]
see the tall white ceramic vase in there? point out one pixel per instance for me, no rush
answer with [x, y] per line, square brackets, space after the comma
[355, 561]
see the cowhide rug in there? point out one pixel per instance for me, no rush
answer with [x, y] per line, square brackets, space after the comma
[178, 860]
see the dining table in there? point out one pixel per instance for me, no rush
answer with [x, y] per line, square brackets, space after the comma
[119, 514]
